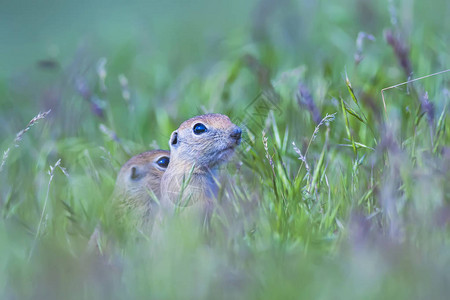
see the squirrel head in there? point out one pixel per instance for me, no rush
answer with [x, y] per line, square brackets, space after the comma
[205, 141]
[143, 172]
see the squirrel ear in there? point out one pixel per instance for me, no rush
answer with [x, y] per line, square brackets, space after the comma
[174, 139]
[135, 174]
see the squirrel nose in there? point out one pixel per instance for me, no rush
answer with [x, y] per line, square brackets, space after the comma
[236, 133]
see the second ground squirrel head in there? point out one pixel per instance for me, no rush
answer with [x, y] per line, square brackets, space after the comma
[205, 141]
[138, 186]
[139, 176]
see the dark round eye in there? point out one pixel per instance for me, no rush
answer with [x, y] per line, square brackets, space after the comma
[163, 162]
[199, 128]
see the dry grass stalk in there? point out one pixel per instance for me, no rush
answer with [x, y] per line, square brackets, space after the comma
[326, 120]
[20, 135]
[33, 121]
[51, 174]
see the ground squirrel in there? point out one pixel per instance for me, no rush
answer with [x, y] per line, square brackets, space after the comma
[138, 183]
[197, 148]
[134, 197]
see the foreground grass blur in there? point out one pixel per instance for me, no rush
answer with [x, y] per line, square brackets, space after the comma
[329, 195]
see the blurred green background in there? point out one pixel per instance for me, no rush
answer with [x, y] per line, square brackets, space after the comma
[364, 216]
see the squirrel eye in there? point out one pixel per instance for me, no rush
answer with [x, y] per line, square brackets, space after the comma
[163, 162]
[199, 128]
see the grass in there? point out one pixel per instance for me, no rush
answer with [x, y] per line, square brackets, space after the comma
[329, 196]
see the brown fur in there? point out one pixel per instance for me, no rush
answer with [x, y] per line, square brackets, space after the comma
[195, 160]
[138, 178]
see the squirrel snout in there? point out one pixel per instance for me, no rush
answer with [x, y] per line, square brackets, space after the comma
[236, 134]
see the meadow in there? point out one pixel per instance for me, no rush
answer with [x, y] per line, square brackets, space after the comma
[331, 195]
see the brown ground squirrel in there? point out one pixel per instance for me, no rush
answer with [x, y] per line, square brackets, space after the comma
[134, 197]
[197, 148]
[138, 183]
